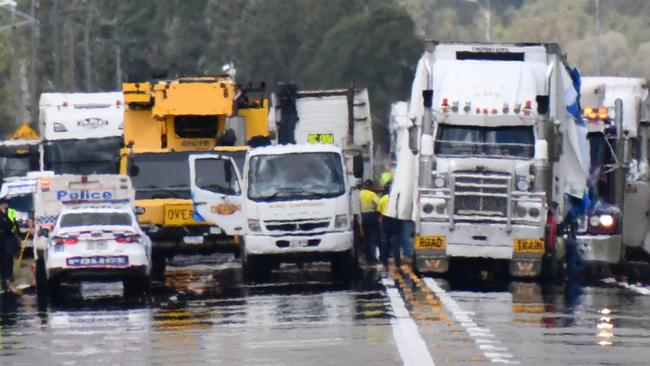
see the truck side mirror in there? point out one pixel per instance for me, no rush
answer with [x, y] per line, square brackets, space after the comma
[413, 139]
[357, 166]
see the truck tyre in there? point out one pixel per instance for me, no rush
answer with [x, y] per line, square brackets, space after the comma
[256, 268]
[342, 266]
[135, 286]
[158, 265]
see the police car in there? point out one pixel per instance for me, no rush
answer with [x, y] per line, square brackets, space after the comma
[98, 242]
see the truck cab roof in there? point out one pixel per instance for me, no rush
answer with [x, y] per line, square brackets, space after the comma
[80, 115]
[292, 149]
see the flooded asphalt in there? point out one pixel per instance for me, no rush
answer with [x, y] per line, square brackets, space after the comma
[203, 314]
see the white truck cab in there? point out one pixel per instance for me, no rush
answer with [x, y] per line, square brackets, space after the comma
[291, 202]
[81, 132]
[497, 150]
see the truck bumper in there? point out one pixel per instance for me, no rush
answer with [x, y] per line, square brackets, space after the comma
[308, 244]
[472, 240]
[199, 238]
[600, 248]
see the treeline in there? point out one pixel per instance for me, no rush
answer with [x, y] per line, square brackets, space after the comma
[93, 45]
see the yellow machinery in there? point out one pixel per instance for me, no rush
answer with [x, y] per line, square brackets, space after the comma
[164, 123]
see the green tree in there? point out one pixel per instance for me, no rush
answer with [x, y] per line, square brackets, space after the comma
[378, 50]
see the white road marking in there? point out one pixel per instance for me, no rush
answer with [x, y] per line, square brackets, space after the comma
[481, 335]
[410, 344]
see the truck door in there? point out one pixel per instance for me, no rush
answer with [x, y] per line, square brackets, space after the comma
[217, 192]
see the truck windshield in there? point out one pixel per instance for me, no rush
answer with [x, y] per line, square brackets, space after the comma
[295, 176]
[89, 156]
[17, 161]
[14, 166]
[95, 219]
[492, 142]
[167, 175]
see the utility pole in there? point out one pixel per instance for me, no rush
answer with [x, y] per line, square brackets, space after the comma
[54, 21]
[69, 29]
[118, 57]
[487, 13]
[33, 69]
[87, 55]
[598, 43]
[15, 68]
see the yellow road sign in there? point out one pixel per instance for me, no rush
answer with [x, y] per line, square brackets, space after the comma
[24, 132]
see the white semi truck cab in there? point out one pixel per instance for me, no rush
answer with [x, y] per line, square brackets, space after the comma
[497, 151]
[290, 203]
[82, 132]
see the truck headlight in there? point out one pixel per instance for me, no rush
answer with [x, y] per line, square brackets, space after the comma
[341, 221]
[604, 220]
[523, 184]
[607, 220]
[427, 208]
[440, 182]
[254, 225]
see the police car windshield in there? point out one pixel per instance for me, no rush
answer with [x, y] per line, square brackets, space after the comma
[491, 142]
[95, 219]
[295, 176]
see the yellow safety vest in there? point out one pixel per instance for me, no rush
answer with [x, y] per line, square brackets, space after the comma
[369, 201]
[11, 213]
[385, 178]
[382, 206]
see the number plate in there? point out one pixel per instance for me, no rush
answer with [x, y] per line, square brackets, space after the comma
[529, 245]
[430, 242]
[320, 138]
[298, 243]
[181, 214]
[96, 245]
[193, 239]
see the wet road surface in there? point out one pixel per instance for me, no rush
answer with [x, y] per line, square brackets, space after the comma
[203, 314]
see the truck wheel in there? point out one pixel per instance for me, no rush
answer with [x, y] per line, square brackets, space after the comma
[158, 265]
[135, 286]
[255, 268]
[342, 267]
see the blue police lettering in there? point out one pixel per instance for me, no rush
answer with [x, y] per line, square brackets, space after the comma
[83, 194]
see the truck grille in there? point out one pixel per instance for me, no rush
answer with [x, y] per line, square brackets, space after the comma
[481, 194]
[297, 225]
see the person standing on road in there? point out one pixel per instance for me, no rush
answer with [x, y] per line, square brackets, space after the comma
[370, 221]
[8, 242]
[390, 230]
